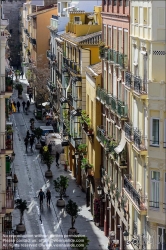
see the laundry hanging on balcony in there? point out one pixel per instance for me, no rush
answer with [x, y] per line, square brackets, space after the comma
[122, 143]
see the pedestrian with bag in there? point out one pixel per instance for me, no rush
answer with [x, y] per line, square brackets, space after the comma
[23, 105]
[48, 196]
[26, 143]
[18, 106]
[41, 196]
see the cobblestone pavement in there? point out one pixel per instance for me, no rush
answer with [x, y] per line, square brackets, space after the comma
[49, 221]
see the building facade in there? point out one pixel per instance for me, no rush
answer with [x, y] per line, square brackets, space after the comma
[6, 137]
[115, 55]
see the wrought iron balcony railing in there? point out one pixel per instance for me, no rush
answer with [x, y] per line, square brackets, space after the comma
[139, 200]
[70, 98]
[102, 136]
[139, 140]
[128, 79]
[140, 86]
[128, 131]
[122, 110]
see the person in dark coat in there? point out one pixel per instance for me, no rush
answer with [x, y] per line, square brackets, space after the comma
[28, 134]
[48, 196]
[23, 105]
[22, 74]
[18, 106]
[31, 141]
[41, 196]
[57, 158]
[30, 96]
[26, 143]
[28, 104]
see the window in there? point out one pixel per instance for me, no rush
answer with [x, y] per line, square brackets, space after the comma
[155, 187]
[164, 133]
[155, 132]
[59, 7]
[114, 2]
[161, 239]
[104, 35]
[109, 36]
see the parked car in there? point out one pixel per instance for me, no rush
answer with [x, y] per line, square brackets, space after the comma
[46, 130]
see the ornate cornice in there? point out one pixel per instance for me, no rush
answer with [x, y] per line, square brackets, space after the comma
[115, 17]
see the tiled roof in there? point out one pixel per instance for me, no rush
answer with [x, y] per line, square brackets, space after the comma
[77, 39]
[95, 69]
[41, 12]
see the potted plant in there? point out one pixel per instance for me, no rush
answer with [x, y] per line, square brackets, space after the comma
[84, 163]
[73, 210]
[60, 185]
[22, 206]
[66, 165]
[48, 160]
[9, 84]
[17, 73]
[38, 133]
[82, 148]
[19, 87]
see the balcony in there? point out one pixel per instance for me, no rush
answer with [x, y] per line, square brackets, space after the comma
[122, 110]
[128, 131]
[6, 142]
[121, 159]
[103, 96]
[115, 57]
[138, 201]
[70, 99]
[128, 79]
[140, 87]
[122, 60]
[101, 136]
[9, 201]
[139, 142]
[113, 104]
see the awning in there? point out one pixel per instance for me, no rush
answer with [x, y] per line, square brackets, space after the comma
[122, 143]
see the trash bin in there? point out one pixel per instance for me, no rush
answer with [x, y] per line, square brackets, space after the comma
[7, 164]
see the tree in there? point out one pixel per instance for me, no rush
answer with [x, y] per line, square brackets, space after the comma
[47, 159]
[38, 133]
[60, 185]
[73, 210]
[22, 206]
[39, 75]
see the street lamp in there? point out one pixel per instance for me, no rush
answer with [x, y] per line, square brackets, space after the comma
[99, 190]
[125, 235]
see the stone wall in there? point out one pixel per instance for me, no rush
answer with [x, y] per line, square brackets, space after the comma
[11, 12]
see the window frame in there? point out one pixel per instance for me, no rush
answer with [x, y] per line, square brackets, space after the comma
[163, 228]
[151, 129]
[151, 188]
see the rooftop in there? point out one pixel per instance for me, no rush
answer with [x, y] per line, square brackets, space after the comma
[78, 39]
[95, 69]
[41, 12]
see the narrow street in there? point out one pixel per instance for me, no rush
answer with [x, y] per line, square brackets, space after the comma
[46, 229]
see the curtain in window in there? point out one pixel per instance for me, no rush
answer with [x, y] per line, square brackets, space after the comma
[155, 131]
[155, 182]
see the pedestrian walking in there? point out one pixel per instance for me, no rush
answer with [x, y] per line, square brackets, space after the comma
[28, 134]
[57, 158]
[28, 104]
[23, 105]
[41, 196]
[50, 148]
[22, 74]
[30, 96]
[32, 141]
[18, 106]
[26, 143]
[48, 196]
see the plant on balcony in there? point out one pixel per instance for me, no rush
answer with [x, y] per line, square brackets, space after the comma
[82, 148]
[17, 73]
[48, 160]
[9, 83]
[60, 185]
[21, 206]
[72, 209]
[84, 163]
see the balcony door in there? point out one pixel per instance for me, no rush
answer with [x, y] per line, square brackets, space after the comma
[135, 114]
[114, 84]
[145, 127]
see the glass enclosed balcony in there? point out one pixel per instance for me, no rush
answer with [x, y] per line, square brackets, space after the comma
[130, 190]
[122, 60]
[110, 55]
[113, 103]
[108, 99]
[101, 136]
[115, 56]
[122, 109]
[98, 91]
